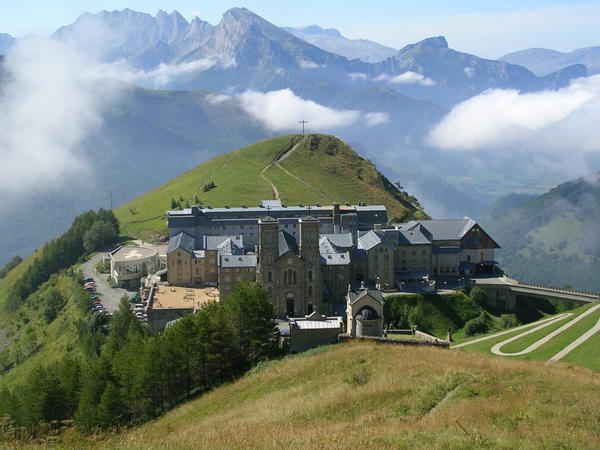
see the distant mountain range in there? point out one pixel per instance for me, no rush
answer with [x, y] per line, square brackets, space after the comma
[550, 239]
[331, 40]
[244, 51]
[542, 61]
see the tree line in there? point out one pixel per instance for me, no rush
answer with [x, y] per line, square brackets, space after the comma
[128, 377]
[90, 231]
[14, 262]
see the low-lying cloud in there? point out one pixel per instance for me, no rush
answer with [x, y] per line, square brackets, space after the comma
[563, 121]
[48, 105]
[406, 78]
[306, 64]
[282, 109]
[164, 74]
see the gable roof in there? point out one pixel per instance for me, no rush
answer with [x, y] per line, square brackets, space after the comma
[444, 229]
[183, 241]
[370, 239]
[331, 254]
[373, 293]
[213, 242]
[286, 243]
[340, 239]
[229, 247]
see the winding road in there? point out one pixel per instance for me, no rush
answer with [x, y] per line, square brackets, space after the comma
[496, 349]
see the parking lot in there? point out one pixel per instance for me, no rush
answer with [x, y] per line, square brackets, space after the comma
[109, 296]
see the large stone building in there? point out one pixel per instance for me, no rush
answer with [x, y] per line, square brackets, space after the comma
[306, 263]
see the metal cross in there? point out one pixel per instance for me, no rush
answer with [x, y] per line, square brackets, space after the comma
[303, 122]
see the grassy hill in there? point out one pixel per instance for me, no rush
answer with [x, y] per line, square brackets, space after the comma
[363, 395]
[551, 239]
[322, 169]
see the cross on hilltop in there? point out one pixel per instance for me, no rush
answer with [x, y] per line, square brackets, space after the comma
[303, 122]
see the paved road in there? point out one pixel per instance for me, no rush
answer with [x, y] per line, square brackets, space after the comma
[577, 342]
[496, 348]
[522, 327]
[110, 297]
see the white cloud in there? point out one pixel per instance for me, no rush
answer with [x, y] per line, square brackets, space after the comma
[554, 133]
[163, 74]
[412, 78]
[215, 99]
[49, 105]
[406, 78]
[551, 122]
[282, 109]
[376, 118]
[358, 76]
[469, 72]
[305, 64]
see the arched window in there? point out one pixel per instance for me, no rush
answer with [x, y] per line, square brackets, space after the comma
[269, 258]
[290, 277]
[310, 291]
[310, 275]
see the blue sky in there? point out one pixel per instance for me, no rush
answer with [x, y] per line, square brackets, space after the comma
[486, 28]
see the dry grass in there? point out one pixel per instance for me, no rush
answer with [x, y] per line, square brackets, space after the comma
[365, 395]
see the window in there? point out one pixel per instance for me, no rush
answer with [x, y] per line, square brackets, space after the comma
[269, 276]
[289, 277]
[310, 275]
[310, 291]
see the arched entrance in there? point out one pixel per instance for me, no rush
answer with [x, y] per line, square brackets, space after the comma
[290, 300]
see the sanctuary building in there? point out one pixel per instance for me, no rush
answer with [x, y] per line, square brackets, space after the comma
[308, 256]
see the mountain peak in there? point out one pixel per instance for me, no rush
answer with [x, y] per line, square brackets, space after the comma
[434, 42]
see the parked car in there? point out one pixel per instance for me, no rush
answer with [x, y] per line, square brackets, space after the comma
[87, 280]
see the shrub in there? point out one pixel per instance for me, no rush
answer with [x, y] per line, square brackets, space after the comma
[509, 321]
[479, 296]
[475, 326]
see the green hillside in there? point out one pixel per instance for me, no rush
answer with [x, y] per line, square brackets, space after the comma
[381, 396]
[320, 169]
[585, 355]
[551, 239]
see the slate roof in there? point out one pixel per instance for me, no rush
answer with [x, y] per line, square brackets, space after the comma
[335, 259]
[229, 247]
[237, 260]
[414, 236]
[374, 293]
[370, 239]
[183, 241]
[287, 243]
[213, 242]
[445, 229]
[339, 239]
[331, 254]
